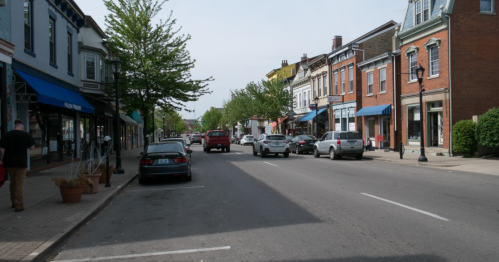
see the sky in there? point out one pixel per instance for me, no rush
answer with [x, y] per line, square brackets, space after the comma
[240, 41]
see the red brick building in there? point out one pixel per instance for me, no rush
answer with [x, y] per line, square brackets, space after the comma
[455, 41]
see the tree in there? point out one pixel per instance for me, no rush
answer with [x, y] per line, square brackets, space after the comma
[155, 62]
[463, 137]
[487, 129]
[271, 98]
[211, 119]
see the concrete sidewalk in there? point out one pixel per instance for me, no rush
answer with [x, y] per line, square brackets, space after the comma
[46, 222]
[474, 165]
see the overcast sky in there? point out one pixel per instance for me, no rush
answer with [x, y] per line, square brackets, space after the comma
[239, 41]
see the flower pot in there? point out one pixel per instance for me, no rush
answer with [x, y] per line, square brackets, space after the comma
[71, 194]
[95, 181]
[102, 179]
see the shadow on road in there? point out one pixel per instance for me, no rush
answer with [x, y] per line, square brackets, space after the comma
[409, 258]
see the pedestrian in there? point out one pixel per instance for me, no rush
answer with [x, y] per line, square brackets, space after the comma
[14, 157]
[368, 144]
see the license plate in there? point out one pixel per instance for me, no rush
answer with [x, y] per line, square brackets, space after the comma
[353, 143]
[277, 144]
[219, 144]
[163, 161]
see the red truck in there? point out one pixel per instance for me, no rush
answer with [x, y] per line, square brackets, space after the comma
[216, 139]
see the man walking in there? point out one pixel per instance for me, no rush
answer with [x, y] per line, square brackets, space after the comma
[14, 156]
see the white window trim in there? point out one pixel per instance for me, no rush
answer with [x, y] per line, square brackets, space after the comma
[430, 76]
[343, 88]
[493, 12]
[409, 58]
[350, 69]
[372, 74]
[422, 12]
[335, 84]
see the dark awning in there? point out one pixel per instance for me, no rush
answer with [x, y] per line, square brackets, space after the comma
[101, 108]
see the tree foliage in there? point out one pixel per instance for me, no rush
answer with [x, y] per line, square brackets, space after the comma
[463, 137]
[487, 129]
[211, 119]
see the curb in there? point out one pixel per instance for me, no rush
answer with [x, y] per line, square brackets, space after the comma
[47, 250]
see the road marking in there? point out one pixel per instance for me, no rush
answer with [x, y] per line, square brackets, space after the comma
[408, 207]
[168, 188]
[239, 153]
[269, 163]
[148, 254]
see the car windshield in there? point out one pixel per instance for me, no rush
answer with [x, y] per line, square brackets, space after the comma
[249, 136]
[308, 138]
[350, 136]
[160, 148]
[182, 141]
[216, 133]
[276, 138]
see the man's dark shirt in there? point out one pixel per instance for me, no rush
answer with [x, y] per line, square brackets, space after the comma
[15, 143]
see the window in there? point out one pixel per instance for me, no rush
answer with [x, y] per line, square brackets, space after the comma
[342, 82]
[28, 33]
[90, 66]
[370, 83]
[486, 6]
[413, 123]
[382, 80]
[101, 63]
[70, 53]
[336, 83]
[308, 97]
[350, 78]
[413, 63]
[324, 84]
[422, 11]
[426, 10]
[418, 13]
[52, 40]
[319, 86]
[434, 61]
[299, 99]
[314, 86]
[304, 99]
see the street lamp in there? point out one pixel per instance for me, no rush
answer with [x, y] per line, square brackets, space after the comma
[316, 99]
[116, 67]
[420, 74]
[164, 130]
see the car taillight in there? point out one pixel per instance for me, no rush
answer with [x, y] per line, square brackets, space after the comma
[186, 149]
[266, 142]
[180, 160]
[338, 142]
[146, 161]
[303, 142]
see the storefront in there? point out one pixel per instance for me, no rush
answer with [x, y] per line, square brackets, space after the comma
[378, 121]
[344, 116]
[321, 120]
[128, 132]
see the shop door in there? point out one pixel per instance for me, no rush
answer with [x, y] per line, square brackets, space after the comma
[385, 130]
[440, 129]
[370, 131]
[54, 138]
[434, 129]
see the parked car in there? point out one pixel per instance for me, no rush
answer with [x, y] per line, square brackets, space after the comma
[271, 144]
[289, 138]
[216, 139]
[182, 142]
[164, 159]
[302, 144]
[340, 143]
[234, 139]
[196, 139]
[247, 139]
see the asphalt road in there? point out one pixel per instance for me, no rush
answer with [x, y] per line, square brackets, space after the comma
[239, 207]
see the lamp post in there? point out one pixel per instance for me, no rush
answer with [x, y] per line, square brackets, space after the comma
[420, 74]
[164, 130]
[116, 67]
[316, 99]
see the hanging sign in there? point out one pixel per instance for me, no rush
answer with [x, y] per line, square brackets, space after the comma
[334, 99]
[312, 106]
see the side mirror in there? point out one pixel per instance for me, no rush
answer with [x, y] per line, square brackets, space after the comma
[189, 151]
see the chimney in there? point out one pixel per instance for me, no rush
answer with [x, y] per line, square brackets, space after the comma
[284, 63]
[304, 58]
[337, 42]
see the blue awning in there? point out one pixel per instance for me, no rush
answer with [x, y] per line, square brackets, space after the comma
[135, 116]
[375, 110]
[55, 95]
[311, 115]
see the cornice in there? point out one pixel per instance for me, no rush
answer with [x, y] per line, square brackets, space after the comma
[425, 93]
[305, 80]
[422, 28]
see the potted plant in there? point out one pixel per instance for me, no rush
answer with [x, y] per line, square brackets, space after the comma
[72, 188]
[101, 168]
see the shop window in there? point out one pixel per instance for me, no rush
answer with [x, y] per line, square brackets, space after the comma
[343, 81]
[414, 123]
[486, 6]
[371, 128]
[28, 29]
[382, 80]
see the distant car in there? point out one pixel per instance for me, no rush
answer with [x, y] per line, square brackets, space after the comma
[197, 133]
[216, 139]
[164, 159]
[302, 144]
[181, 141]
[196, 139]
[271, 144]
[247, 139]
[234, 139]
[338, 144]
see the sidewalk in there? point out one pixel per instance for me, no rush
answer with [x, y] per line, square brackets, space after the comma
[46, 222]
[474, 165]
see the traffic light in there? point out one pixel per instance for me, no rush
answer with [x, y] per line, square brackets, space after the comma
[195, 122]
[204, 123]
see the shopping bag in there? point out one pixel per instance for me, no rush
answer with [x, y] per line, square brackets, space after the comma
[2, 175]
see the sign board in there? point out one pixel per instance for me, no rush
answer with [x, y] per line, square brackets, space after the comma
[379, 138]
[334, 99]
[268, 129]
[351, 126]
[312, 106]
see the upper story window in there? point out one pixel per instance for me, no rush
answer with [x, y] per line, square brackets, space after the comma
[342, 57]
[434, 66]
[486, 6]
[90, 66]
[343, 81]
[102, 70]
[70, 53]
[370, 83]
[350, 79]
[299, 100]
[313, 86]
[336, 83]
[382, 80]
[422, 11]
[413, 63]
[28, 29]
[319, 86]
[52, 40]
[324, 83]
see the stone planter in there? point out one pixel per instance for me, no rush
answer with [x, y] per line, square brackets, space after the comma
[95, 180]
[71, 194]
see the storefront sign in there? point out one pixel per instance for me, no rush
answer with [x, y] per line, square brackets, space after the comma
[268, 129]
[334, 99]
[351, 126]
[72, 106]
[337, 127]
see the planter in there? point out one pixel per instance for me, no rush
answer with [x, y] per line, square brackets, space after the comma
[95, 180]
[102, 179]
[71, 194]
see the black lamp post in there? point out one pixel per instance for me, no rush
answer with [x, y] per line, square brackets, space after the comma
[164, 130]
[420, 74]
[316, 99]
[116, 67]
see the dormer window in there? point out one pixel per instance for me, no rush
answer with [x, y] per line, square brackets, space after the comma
[422, 11]
[486, 6]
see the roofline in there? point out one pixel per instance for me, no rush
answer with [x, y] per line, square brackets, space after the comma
[96, 26]
[379, 33]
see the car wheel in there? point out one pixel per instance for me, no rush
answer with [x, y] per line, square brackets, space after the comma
[286, 155]
[262, 153]
[227, 149]
[208, 150]
[332, 154]
[254, 152]
[316, 153]
[142, 181]
[276, 154]
[359, 157]
[189, 176]
[223, 149]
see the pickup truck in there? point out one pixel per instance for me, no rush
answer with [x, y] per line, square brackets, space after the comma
[216, 139]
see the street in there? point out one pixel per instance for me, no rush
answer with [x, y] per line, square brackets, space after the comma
[244, 208]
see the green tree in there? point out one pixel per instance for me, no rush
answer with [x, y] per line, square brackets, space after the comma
[155, 62]
[463, 137]
[211, 119]
[272, 100]
[487, 129]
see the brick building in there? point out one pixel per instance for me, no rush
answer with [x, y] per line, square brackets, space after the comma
[454, 40]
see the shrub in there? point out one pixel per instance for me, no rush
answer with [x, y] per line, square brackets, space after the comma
[463, 137]
[487, 129]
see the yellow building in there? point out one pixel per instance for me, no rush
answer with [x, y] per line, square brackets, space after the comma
[284, 72]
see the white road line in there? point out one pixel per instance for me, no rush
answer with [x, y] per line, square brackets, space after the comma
[148, 254]
[168, 188]
[269, 163]
[408, 207]
[239, 153]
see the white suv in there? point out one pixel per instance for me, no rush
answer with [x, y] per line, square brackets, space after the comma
[247, 139]
[338, 144]
[271, 144]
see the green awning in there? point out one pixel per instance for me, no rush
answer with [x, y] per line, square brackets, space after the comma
[135, 116]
